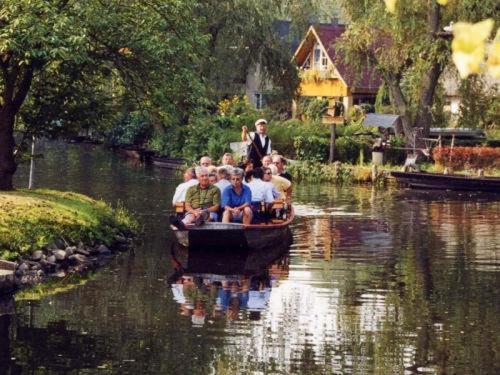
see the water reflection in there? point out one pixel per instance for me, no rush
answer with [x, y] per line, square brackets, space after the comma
[377, 281]
[231, 283]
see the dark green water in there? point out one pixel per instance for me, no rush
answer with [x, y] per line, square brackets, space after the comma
[377, 282]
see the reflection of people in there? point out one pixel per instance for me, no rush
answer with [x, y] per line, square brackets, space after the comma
[198, 317]
[258, 142]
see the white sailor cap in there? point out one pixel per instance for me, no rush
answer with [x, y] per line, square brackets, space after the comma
[260, 121]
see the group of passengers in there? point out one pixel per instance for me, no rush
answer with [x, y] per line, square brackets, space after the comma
[230, 192]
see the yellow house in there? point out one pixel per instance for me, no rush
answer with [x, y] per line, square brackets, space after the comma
[323, 77]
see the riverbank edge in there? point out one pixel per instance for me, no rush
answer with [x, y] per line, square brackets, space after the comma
[105, 232]
[344, 173]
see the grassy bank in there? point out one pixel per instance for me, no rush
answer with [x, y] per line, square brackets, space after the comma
[33, 219]
[344, 173]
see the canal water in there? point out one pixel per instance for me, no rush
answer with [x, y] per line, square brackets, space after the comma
[377, 281]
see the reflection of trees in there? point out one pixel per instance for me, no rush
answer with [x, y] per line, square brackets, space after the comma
[6, 311]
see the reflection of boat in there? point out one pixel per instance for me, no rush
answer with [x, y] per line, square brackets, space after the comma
[166, 162]
[217, 282]
[235, 235]
[447, 181]
[135, 152]
[224, 260]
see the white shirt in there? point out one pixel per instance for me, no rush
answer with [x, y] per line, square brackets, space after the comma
[261, 190]
[181, 190]
[222, 184]
[262, 141]
[276, 193]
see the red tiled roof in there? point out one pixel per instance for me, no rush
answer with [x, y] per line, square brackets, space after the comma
[366, 79]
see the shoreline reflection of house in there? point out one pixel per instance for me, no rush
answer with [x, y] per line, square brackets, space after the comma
[322, 76]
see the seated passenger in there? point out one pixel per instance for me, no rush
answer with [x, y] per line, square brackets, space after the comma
[236, 200]
[261, 191]
[282, 185]
[180, 191]
[267, 178]
[227, 159]
[280, 162]
[267, 160]
[202, 202]
[212, 178]
[205, 161]
[222, 179]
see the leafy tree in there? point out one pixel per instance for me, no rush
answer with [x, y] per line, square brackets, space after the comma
[407, 49]
[58, 48]
[478, 104]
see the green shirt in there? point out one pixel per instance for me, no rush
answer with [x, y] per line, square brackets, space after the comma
[203, 198]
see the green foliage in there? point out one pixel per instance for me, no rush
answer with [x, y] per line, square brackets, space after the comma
[134, 128]
[405, 48]
[479, 104]
[31, 220]
[311, 148]
[382, 100]
[312, 108]
[339, 173]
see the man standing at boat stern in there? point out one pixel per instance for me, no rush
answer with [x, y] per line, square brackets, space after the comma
[258, 142]
[202, 202]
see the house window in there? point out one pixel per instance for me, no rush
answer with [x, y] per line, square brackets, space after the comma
[320, 58]
[258, 100]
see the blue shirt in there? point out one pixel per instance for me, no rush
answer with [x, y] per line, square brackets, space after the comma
[231, 199]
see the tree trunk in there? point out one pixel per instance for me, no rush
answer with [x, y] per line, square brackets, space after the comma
[7, 162]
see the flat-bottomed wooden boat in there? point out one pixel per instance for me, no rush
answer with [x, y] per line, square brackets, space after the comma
[236, 235]
[448, 181]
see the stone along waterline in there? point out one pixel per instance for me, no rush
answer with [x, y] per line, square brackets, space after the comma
[375, 282]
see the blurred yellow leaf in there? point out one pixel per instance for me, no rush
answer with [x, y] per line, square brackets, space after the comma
[442, 2]
[390, 5]
[468, 46]
[493, 62]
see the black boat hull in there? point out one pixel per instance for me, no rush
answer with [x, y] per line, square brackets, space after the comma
[448, 182]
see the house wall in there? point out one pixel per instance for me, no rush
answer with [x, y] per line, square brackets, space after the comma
[324, 88]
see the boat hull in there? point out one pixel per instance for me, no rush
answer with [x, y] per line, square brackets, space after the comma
[448, 182]
[234, 235]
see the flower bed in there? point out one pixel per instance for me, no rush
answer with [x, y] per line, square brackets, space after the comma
[467, 157]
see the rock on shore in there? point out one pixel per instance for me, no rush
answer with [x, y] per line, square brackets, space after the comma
[57, 261]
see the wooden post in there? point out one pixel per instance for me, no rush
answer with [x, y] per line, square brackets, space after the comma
[32, 164]
[333, 137]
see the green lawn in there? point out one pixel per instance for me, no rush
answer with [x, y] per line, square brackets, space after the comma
[32, 219]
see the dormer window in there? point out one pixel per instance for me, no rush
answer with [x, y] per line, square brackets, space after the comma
[320, 58]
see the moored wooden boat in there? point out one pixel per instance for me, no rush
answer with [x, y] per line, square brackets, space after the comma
[167, 162]
[448, 181]
[235, 235]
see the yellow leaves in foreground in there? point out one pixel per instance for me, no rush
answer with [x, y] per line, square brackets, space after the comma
[391, 5]
[493, 63]
[469, 46]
